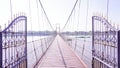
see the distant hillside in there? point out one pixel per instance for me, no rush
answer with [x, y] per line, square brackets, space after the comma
[42, 33]
[77, 33]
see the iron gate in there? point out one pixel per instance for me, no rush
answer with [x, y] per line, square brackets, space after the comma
[105, 45]
[13, 44]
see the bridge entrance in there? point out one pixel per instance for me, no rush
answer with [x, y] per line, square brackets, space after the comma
[97, 49]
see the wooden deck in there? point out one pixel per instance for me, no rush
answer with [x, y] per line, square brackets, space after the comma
[60, 55]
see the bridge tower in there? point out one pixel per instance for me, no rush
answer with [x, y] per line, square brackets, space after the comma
[58, 28]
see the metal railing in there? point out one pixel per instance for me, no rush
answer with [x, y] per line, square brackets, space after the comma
[81, 45]
[37, 49]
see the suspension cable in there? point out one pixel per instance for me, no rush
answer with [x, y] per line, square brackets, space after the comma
[79, 6]
[38, 18]
[39, 26]
[85, 26]
[70, 14]
[11, 9]
[46, 15]
[107, 9]
[32, 32]
[79, 14]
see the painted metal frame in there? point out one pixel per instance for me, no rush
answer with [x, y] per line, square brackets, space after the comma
[119, 49]
[13, 44]
[105, 44]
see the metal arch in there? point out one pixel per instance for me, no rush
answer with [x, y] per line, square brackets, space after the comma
[19, 18]
[104, 20]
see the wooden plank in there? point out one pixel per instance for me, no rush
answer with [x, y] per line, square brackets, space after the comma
[60, 55]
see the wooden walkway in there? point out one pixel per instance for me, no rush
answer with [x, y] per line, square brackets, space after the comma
[60, 55]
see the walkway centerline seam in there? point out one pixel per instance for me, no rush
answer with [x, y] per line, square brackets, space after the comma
[61, 54]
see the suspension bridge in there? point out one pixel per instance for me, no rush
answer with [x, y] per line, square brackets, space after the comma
[68, 47]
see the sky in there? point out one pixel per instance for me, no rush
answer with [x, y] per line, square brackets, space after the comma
[58, 11]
